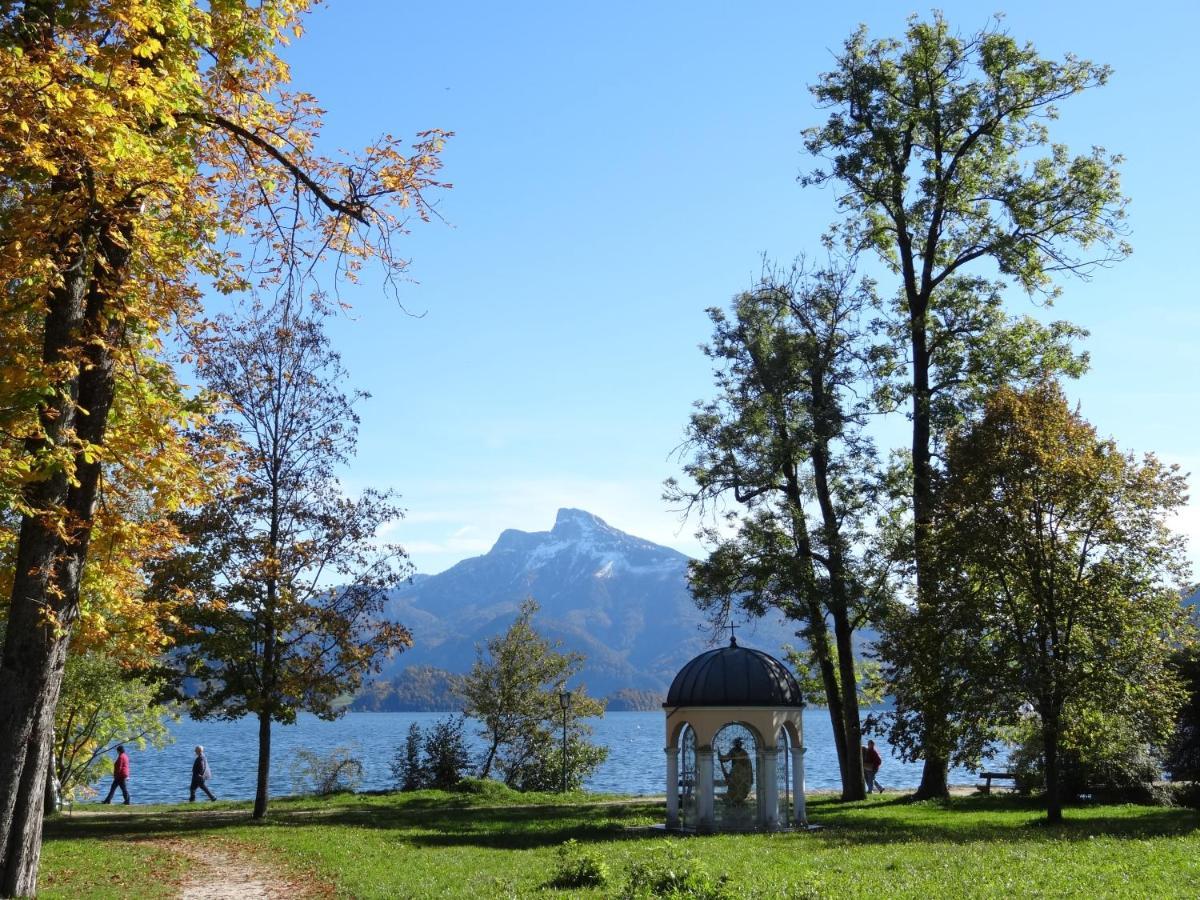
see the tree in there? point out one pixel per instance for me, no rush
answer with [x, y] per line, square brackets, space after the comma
[940, 147]
[1061, 575]
[101, 706]
[1183, 757]
[435, 759]
[135, 138]
[784, 439]
[282, 584]
[513, 690]
[408, 770]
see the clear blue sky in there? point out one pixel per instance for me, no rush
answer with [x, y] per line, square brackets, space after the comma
[621, 166]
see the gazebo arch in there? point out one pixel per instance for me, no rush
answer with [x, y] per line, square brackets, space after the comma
[727, 686]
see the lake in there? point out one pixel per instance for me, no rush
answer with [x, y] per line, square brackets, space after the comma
[636, 763]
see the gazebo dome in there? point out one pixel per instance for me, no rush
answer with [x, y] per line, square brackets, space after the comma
[734, 676]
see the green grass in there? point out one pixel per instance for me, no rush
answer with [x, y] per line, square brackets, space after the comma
[497, 844]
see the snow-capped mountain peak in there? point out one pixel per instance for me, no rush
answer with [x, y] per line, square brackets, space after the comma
[620, 599]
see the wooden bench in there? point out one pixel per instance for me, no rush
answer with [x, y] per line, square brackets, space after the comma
[986, 787]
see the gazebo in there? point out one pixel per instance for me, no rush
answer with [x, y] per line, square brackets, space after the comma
[734, 723]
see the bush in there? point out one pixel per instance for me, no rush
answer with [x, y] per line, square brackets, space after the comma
[579, 867]
[407, 771]
[433, 759]
[487, 788]
[535, 762]
[1100, 755]
[335, 772]
[1184, 793]
[1183, 756]
[446, 755]
[672, 871]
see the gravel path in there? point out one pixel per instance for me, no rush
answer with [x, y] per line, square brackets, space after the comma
[221, 870]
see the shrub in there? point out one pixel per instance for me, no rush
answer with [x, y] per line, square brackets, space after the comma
[336, 771]
[433, 759]
[446, 755]
[1100, 755]
[407, 771]
[1183, 757]
[672, 871]
[534, 763]
[487, 788]
[579, 867]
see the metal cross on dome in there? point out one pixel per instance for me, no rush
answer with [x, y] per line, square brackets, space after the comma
[732, 636]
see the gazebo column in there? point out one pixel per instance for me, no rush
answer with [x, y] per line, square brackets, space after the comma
[801, 817]
[769, 808]
[704, 789]
[672, 787]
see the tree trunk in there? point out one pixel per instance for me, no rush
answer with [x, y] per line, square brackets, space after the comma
[25, 834]
[854, 785]
[489, 759]
[825, 417]
[52, 547]
[934, 774]
[1054, 811]
[263, 789]
[51, 801]
[818, 640]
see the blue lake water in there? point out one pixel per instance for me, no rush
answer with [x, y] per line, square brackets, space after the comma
[636, 763]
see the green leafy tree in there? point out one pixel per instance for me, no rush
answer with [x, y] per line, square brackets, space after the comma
[784, 440]
[1061, 579]
[283, 580]
[102, 705]
[872, 689]
[1183, 758]
[513, 690]
[940, 148]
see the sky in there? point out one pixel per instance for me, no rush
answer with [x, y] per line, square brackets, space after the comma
[620, 167]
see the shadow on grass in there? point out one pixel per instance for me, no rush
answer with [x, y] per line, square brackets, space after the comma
[991, 818]
[443, 822]
[419, 822]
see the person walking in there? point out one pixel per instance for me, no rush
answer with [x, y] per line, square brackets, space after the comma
[200, 775]
[120, 776]
[871, 763]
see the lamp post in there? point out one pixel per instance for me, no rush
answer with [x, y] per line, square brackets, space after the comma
[564, 700]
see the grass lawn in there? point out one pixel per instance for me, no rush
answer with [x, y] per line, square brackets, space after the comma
[499, 844]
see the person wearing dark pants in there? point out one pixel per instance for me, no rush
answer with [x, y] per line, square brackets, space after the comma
[200, 774]
[120, 776]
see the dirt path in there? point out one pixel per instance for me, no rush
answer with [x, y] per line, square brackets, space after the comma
[224, 870]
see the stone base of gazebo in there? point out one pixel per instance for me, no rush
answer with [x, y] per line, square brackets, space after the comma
[687, 831]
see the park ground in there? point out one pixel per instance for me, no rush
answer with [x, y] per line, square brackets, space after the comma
[495, 843]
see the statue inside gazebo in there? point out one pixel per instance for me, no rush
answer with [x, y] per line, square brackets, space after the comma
[735, 744]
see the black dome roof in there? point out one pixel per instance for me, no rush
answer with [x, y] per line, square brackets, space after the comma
[734, 676]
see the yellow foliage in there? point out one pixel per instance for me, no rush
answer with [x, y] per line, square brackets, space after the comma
[161, 127]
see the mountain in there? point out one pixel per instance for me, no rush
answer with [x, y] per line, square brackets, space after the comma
[620, 600]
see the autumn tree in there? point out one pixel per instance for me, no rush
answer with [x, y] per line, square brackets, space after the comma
[784, 440]
[513, 691]
[135, 137]
[939, 146]
[1061, 576]
[281, 585]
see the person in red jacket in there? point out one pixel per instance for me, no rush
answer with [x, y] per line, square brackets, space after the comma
[120, 776]
[871, 763]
